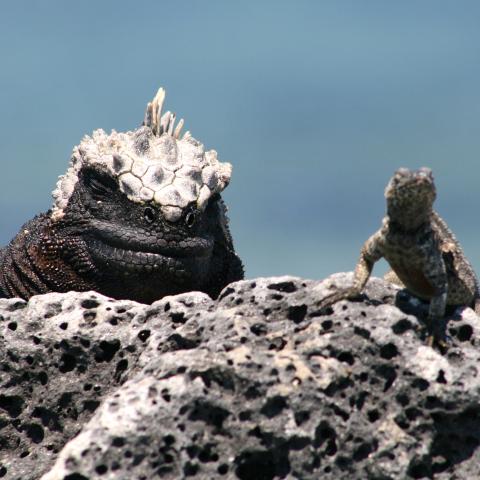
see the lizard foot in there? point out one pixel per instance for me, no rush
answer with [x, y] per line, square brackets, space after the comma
[442, 344]
[437, 336]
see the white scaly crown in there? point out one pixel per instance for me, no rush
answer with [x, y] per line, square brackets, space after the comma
[150, 164]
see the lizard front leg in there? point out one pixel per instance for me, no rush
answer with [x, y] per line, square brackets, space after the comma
[371, 252]
[436, 274]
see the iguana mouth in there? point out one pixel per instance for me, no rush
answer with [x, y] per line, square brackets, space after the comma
[112, 240]
[149, 257]
[131, 261]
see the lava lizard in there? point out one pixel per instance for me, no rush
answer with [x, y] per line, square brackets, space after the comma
[424, 255]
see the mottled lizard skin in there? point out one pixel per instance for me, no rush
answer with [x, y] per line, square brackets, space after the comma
[423, 253]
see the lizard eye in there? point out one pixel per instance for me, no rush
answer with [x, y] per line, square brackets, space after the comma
[190, 219]
[149, 214]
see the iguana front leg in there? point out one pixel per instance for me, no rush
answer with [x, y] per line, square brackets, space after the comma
[370, 253]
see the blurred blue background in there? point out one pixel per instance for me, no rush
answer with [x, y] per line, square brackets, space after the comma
[315, 103]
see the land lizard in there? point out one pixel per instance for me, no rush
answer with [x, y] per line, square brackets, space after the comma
[424, 255]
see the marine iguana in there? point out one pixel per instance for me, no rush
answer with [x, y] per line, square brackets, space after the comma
[137, 215]
[423, 253]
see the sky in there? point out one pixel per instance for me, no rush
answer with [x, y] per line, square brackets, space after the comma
[315, 104]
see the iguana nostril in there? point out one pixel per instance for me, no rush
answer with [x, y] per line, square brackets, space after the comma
[149, 215]
[190, 219]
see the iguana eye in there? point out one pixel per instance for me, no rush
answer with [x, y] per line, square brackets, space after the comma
[149, 214]
[190, 219]
[100, 185]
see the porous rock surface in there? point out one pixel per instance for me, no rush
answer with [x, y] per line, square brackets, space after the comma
[259, 384]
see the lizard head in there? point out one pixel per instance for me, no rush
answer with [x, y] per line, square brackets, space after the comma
[143, 206]
[410, 195]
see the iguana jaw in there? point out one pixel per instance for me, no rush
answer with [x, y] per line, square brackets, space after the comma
[147, 276]
[127, 252]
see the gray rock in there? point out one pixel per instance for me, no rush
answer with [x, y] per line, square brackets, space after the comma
[259, 384]
[60, 355]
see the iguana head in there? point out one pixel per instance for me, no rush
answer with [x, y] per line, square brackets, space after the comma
[150, 165]
[140, 214]
[410, 195]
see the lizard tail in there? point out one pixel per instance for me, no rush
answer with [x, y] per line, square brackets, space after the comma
[343, 294]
